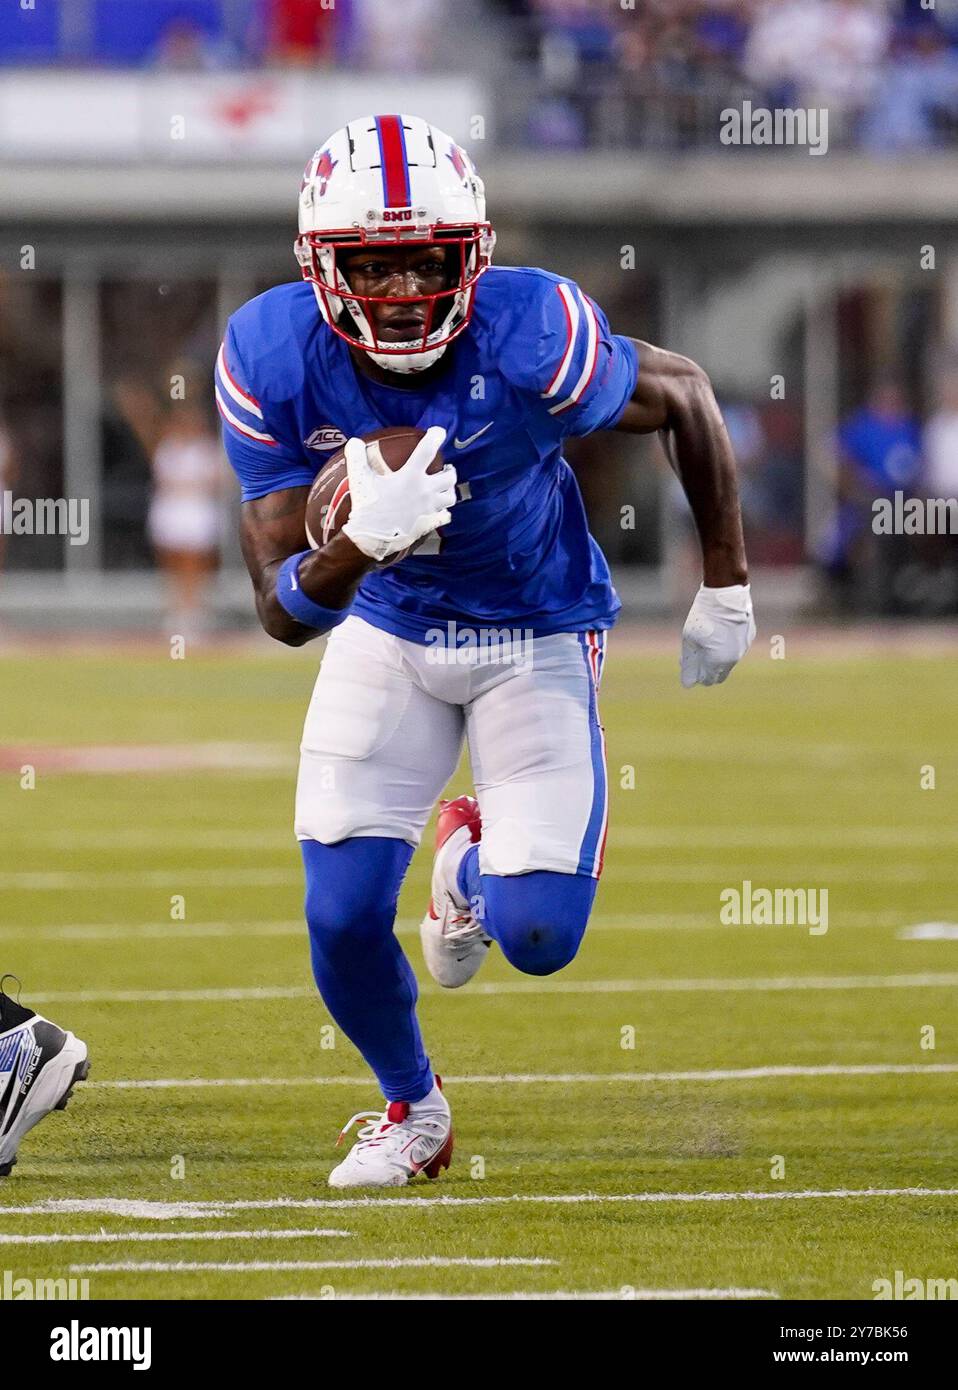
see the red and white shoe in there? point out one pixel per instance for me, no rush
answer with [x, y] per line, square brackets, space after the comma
[397, 1144]
[453, 941]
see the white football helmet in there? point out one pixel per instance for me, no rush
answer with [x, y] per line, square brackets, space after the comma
[390, 181]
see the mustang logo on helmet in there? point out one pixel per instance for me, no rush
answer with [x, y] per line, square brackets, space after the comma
[458, 163]
[325, 165]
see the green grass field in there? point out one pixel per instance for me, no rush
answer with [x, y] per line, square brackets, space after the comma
[598, 1166]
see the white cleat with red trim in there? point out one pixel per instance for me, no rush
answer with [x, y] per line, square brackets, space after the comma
[397, 1144]
[453, 941]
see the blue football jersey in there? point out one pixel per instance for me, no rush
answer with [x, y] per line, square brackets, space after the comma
[538, 362]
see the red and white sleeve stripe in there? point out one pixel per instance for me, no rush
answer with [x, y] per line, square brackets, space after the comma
[238, 408]
[581, 351]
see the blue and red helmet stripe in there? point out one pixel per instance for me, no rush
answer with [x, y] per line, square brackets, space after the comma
[395, 166]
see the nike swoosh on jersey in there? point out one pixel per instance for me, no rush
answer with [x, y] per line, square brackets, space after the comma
[462, 443]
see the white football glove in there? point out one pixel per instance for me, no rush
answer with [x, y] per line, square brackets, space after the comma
[718, 632]
[391, 511]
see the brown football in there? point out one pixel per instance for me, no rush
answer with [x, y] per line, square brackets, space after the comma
[328, 504]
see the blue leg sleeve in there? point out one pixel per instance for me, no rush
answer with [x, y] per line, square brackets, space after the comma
[365, 980]
[538, 919]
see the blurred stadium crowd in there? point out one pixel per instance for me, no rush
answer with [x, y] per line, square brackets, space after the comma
[659, 72]
[565, 75]
[168, 496]
[607, 73]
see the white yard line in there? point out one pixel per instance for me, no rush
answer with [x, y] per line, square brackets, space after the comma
[718, 872]
[122, 1237]
[257, 1266]
[542, 1078]
[839, 838]
[134, 1208]
[608, 1295]
[796, 754]
[162, 931]
[166, 1211]
[532, 985]
[172, 996]
[675, 870]
[272, 836]
[236, 758]
[929, 980]
[671, 838]
[296, 927]
[30, 880]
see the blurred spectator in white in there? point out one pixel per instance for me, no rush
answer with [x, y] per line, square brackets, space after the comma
[938, 554]
[781, 52]
[941, 438]
[187, 515]
[400, 37]
[852, 47]
[819, 52]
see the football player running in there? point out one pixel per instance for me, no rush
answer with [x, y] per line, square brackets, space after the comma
[401, 320]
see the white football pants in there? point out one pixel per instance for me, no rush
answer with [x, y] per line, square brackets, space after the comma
[384, 733]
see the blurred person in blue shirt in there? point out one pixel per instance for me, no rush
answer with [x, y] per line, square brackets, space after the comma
[880, 453]
[881, 442]
[917, 106]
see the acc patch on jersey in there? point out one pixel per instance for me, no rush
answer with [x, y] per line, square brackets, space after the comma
[325, 439]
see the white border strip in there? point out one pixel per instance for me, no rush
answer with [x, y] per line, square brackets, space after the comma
[405, 926]
[541, 1078]
[121, 1237]
[693, 839]
[610, 1295]
[533, 985]
[675, 871]
[258, 1266]
[165, 1211]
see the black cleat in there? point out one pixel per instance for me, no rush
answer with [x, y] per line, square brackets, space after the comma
[39, 1066]
[80, 1073]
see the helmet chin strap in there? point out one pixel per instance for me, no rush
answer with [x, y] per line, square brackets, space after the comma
[416, 359]
[407, 362]
[407, 357]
